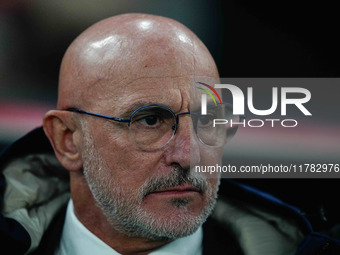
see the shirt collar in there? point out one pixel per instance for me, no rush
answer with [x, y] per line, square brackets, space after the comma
[76, 239]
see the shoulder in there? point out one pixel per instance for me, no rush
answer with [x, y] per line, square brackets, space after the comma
[218, 238]
[254, 222]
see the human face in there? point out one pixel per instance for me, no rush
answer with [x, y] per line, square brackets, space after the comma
[153, 194]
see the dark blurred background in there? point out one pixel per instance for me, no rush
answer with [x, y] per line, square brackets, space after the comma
[246, 38]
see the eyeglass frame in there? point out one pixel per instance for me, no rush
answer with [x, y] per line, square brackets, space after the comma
[77, 110]
[129, 120]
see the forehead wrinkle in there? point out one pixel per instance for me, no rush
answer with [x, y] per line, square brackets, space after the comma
[170, 98]
[154, 77]
[104, 90]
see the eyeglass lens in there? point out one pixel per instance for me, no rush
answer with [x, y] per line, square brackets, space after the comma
[153, 127]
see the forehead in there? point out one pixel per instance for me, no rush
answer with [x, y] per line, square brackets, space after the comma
[173, 92]
[159, 72]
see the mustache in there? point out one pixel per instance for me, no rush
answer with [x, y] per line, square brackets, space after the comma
[177, 177]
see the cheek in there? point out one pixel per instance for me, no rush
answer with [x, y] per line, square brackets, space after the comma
[211, 156]
[129, 165]
[214, 183]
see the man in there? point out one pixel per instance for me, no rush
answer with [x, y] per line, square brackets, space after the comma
[124, 132]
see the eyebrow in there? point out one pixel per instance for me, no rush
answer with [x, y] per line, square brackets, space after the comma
[131, 108]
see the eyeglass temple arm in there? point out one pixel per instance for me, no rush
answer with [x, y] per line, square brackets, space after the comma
[76, 110]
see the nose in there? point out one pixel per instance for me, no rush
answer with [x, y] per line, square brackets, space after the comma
[184, 147]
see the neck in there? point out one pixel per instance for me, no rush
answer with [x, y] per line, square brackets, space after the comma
[91, 216]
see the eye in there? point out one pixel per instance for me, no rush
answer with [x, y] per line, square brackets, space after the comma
[205, 120]
[153, 117]
[151, 120]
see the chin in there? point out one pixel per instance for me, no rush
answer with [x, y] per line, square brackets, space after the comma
[177, 222]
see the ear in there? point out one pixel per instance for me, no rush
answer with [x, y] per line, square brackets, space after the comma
[60, 130]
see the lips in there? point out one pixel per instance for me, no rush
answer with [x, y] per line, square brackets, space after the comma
[178, 189]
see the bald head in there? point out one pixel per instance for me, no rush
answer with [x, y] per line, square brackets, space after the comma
[127, 47]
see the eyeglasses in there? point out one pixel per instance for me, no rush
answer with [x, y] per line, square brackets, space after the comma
[151, 127]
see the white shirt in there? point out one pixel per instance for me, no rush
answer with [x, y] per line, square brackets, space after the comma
[76, 239]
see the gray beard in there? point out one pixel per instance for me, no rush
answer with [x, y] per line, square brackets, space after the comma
[125, 213]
